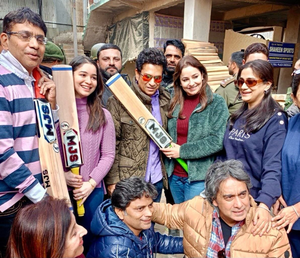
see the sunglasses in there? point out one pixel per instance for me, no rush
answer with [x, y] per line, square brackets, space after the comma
[148, 78]
[249, 82]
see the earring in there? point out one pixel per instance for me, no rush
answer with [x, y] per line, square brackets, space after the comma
[265, 91]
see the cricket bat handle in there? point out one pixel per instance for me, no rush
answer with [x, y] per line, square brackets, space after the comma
[183, 164]
[80, 208]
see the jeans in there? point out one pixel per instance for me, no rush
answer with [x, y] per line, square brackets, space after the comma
[159, 186]
[294, 238]
[6, 219]
[90, 205]
[183, 190]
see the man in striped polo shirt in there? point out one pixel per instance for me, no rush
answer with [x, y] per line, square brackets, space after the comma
[23, 40]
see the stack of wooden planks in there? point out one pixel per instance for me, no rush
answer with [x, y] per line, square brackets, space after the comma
[207, 54]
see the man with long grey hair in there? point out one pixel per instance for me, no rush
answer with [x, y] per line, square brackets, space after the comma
[221, 224]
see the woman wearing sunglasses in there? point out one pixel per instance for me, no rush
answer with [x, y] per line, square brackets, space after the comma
[197, 122]
[289, 216]
[255, 135]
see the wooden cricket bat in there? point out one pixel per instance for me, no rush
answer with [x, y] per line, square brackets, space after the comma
[141, 114]
[68, 121]
[50, 160]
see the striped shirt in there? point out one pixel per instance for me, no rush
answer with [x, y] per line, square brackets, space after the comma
[20, 170]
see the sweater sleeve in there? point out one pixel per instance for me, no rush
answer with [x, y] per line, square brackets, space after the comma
[271, 160]
[213, 142]
[168, 244]
[13, 171]
[107, 150]
[113, 106]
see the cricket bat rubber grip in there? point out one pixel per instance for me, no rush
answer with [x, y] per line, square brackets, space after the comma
[183, 164]
[80, 208]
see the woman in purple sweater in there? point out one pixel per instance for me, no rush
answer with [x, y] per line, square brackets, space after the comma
[97, 134]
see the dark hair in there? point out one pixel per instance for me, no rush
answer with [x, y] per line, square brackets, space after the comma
[237, 57]
[179, 93]
[22, 15]
[219, 172]
[130, 189]
[40, 230]
[256, 48]
[176, 43]
[295, 84]
[108, 46]
[96, 113]
[256, 117]
[150, 56]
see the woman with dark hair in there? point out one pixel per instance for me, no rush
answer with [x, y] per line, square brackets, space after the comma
[289, 216]
[97, 135]
[255, 135]
[45, 229]
[197, 122]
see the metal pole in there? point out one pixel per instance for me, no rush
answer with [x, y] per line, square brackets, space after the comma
[74, 29]
[84, 11]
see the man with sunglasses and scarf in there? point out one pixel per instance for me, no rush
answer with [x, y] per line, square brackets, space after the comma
[136, 154]
[220, 225]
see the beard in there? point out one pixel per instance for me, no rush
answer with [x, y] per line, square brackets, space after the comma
[170, 69]
[106, 74]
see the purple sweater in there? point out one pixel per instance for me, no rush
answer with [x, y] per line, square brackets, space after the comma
[98, 148]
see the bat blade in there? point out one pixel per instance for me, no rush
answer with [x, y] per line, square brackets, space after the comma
[68, 121]
[50, 160]
[141, 114]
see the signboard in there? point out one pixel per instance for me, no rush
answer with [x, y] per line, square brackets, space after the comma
[281, 54]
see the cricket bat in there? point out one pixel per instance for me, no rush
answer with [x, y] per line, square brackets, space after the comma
[141, 114]
[68, 121]
[50, 160]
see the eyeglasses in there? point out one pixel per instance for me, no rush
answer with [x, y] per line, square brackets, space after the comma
[27, 36]
[249, 82]
[221, 254]
[148, 78]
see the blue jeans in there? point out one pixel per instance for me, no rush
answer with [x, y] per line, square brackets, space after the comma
[90, 205]
[183, 190]
[159, 186]
[294, 237]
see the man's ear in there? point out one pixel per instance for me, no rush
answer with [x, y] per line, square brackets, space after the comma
[215, 203]
[3, 39]
[120, 213]
[137, 74]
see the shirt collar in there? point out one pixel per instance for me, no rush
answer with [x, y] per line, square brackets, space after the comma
[155, 95]
[216, 215]
[8, 61]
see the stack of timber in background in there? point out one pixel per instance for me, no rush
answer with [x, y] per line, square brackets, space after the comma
[207, 54]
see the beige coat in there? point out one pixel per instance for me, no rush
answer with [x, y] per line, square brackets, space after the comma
[194, 217]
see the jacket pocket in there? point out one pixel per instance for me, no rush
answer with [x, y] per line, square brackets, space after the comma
[125, 161]
[128, 128]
